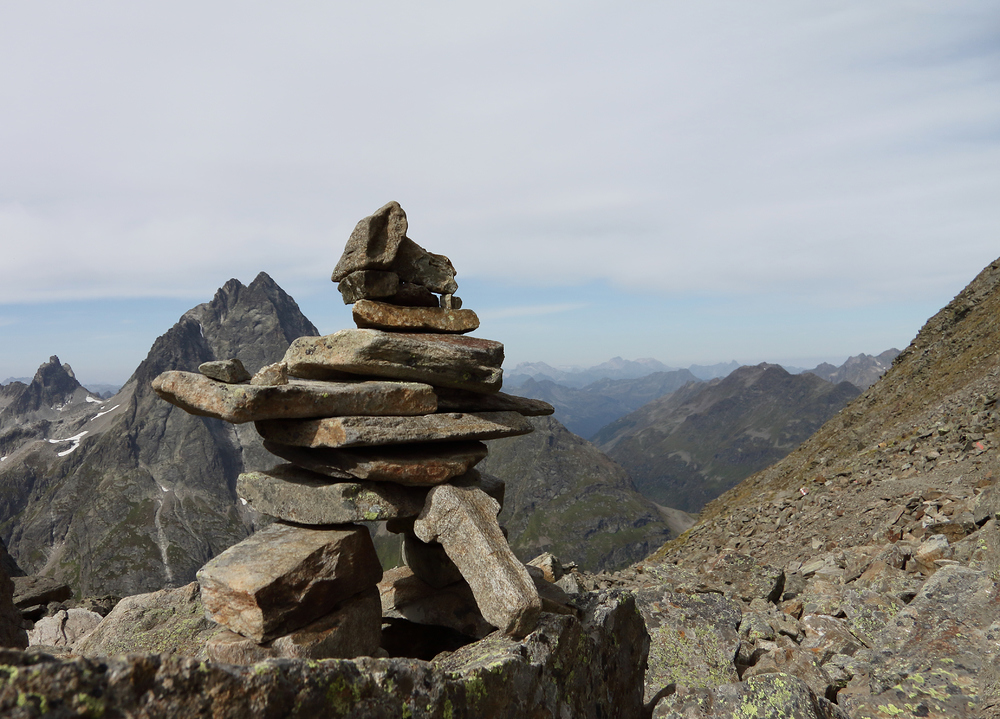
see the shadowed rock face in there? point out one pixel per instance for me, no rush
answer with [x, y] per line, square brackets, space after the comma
[146, 495]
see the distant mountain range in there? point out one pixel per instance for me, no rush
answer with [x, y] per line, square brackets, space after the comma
[688, 447]
[861, 370]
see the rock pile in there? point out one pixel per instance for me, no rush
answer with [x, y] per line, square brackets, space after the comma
[380, 423]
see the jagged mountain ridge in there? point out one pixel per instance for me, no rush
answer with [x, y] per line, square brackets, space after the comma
[860, 370]
[686, 448]
[586, 410]
[147, 495]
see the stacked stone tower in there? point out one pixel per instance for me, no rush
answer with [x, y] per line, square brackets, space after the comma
[380, 423]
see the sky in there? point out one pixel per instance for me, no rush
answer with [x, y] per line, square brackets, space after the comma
[694, 182]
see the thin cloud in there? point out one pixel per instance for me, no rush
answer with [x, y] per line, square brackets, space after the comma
[531, 310]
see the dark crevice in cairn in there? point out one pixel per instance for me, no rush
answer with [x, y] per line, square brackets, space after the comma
[380, 423]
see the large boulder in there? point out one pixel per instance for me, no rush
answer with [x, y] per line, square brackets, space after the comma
[586, 668]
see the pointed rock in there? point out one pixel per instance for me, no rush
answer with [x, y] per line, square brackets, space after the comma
[374, 242]
[463, 520]
[418, 465]
[368, 431]
[284, 577]
[298, 399]
[298, 495]
[382, 316]
[441, 360]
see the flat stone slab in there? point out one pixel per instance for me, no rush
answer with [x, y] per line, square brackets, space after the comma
[298, 495]
[456, 400]
[369, 314]
[354, 629]
[370, 431]
[417, 465]
[464, 521]
[284, 577]
[299, 398]
[438, 359]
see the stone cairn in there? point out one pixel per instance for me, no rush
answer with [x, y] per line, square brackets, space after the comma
[381, 423]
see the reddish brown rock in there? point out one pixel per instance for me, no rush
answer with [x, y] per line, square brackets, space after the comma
[284, 577]
[419, 465]
[463, 520]
[382, 316]
[297, 495]
[438, 359]
[337, 432]
[197, 394]
[352, 630]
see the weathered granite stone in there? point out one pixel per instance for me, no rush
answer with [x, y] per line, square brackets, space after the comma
[368, 431]
[938, 657]
[429, 561]
[441, 360]
[353, 629]
[368, 284]
[406, 596]
[802, 663]
[826, 636]
[457, 400]
[379, 242]
[298, 399]
[552, 568]
[374, 242]
[589, 668]
[463, 520]
[868, 613]
[297, 495]
[272, 375]
[285, 577]
[64, 628]
[693, 639]
[768, 695]
[37, 589]
[884, 579]
[451, 302]
[746, 577]
[416, 265]
[489, 483]
[11, 633]
[230, 371]
[554, 599]
[168, 621]
[382, 316]
[418, 465]
[931, 549]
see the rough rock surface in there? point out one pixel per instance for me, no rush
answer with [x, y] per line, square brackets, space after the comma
[337, 432]
[441, 360]
[298, 495]
[589, 668]
[169, 621]
[418, 465]
[384, 316]
[284, 577]
[463, 521]
[36, 589]
[228, 370]
[769, 695]
[297, 399]
[64, 628]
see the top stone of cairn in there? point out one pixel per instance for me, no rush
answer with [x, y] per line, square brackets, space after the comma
[388, 260]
